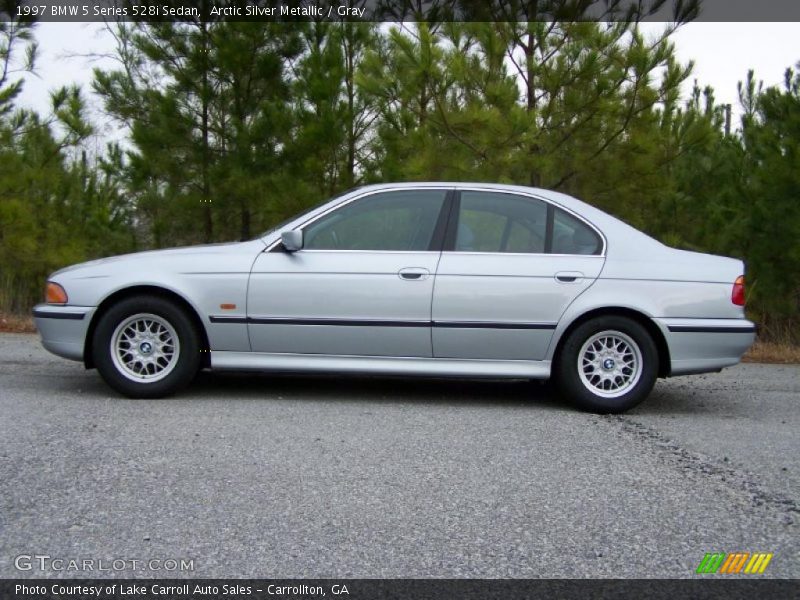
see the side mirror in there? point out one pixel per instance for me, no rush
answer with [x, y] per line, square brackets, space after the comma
[292, 240]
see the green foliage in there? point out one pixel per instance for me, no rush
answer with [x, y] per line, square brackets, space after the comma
[737, 194]
[53, 211]
[233, 127]
[772, 212]
[207, 105]
[55, 208]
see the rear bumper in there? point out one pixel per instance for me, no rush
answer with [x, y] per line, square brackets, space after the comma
[63, 328]
[703, 345]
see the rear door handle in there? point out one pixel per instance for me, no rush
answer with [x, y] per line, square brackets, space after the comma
[413, 273]
[569, 276]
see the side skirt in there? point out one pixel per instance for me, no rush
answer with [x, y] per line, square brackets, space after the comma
[380, 365]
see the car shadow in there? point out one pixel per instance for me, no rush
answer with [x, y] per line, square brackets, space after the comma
[374, 389]
[304, 387]
[665, 399]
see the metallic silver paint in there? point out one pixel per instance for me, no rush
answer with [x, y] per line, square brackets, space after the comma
[633, 272]
[383, 365]
[699, 352]
[509, 288]
[292, 240]
[63, 337]
[347, 286]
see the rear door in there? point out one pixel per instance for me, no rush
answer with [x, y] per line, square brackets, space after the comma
[362, 284]
[511, 266]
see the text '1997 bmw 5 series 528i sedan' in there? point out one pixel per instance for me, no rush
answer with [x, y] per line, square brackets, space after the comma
[436, 279]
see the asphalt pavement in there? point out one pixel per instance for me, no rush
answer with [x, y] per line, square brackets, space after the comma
[294, 476]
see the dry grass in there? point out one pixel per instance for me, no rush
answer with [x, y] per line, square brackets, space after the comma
[773, 352]
[16, 323]
[761, 352]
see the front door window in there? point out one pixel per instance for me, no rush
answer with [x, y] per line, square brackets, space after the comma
[400, 221]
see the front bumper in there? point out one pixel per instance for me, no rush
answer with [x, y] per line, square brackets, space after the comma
[704, 345]
[63, 328]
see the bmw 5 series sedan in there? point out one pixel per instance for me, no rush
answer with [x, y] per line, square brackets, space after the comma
[433, 279]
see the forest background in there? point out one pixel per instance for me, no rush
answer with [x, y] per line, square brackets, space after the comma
[231, 127]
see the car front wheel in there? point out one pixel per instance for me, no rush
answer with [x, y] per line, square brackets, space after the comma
[607, 365]
[146, 347]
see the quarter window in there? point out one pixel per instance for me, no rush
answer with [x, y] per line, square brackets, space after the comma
[572, 236]
[402, 220]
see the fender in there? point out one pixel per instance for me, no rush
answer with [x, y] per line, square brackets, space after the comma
[605, 294]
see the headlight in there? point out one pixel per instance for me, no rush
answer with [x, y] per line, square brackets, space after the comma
[55, 294]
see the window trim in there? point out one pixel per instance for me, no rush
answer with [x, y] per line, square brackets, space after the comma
[437, 237]
[451, 199]
[548, 229]
[452, 225]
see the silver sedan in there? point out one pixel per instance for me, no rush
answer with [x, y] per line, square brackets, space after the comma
[432, 279]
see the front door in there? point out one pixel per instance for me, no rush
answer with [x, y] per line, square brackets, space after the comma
[512, 265]
[361, 285]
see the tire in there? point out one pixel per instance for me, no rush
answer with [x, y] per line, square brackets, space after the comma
[146, 347]
[607, 365]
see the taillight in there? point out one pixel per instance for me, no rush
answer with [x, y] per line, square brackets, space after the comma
[737, 294]
[55, 294]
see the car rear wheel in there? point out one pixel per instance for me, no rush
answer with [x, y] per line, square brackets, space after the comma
[146, 347]
[607, 365]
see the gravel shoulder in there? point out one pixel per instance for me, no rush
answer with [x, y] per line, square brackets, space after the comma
[265, 476]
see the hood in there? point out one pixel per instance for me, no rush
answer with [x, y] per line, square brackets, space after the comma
[156, 255]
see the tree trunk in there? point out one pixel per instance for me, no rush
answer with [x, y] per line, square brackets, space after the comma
[530, 105]
[208, 224]
[350, 86]
[245, 232]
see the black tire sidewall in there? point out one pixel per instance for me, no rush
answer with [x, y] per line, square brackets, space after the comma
[566, 370]
[188, 359]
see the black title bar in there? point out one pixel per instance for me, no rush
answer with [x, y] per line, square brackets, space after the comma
[401, 10]
[382, 589]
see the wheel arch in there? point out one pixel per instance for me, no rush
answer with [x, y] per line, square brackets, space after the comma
[664, 362]
[145, 290]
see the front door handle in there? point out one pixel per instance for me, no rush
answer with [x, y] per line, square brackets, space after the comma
[569, 276]
[413, 273]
